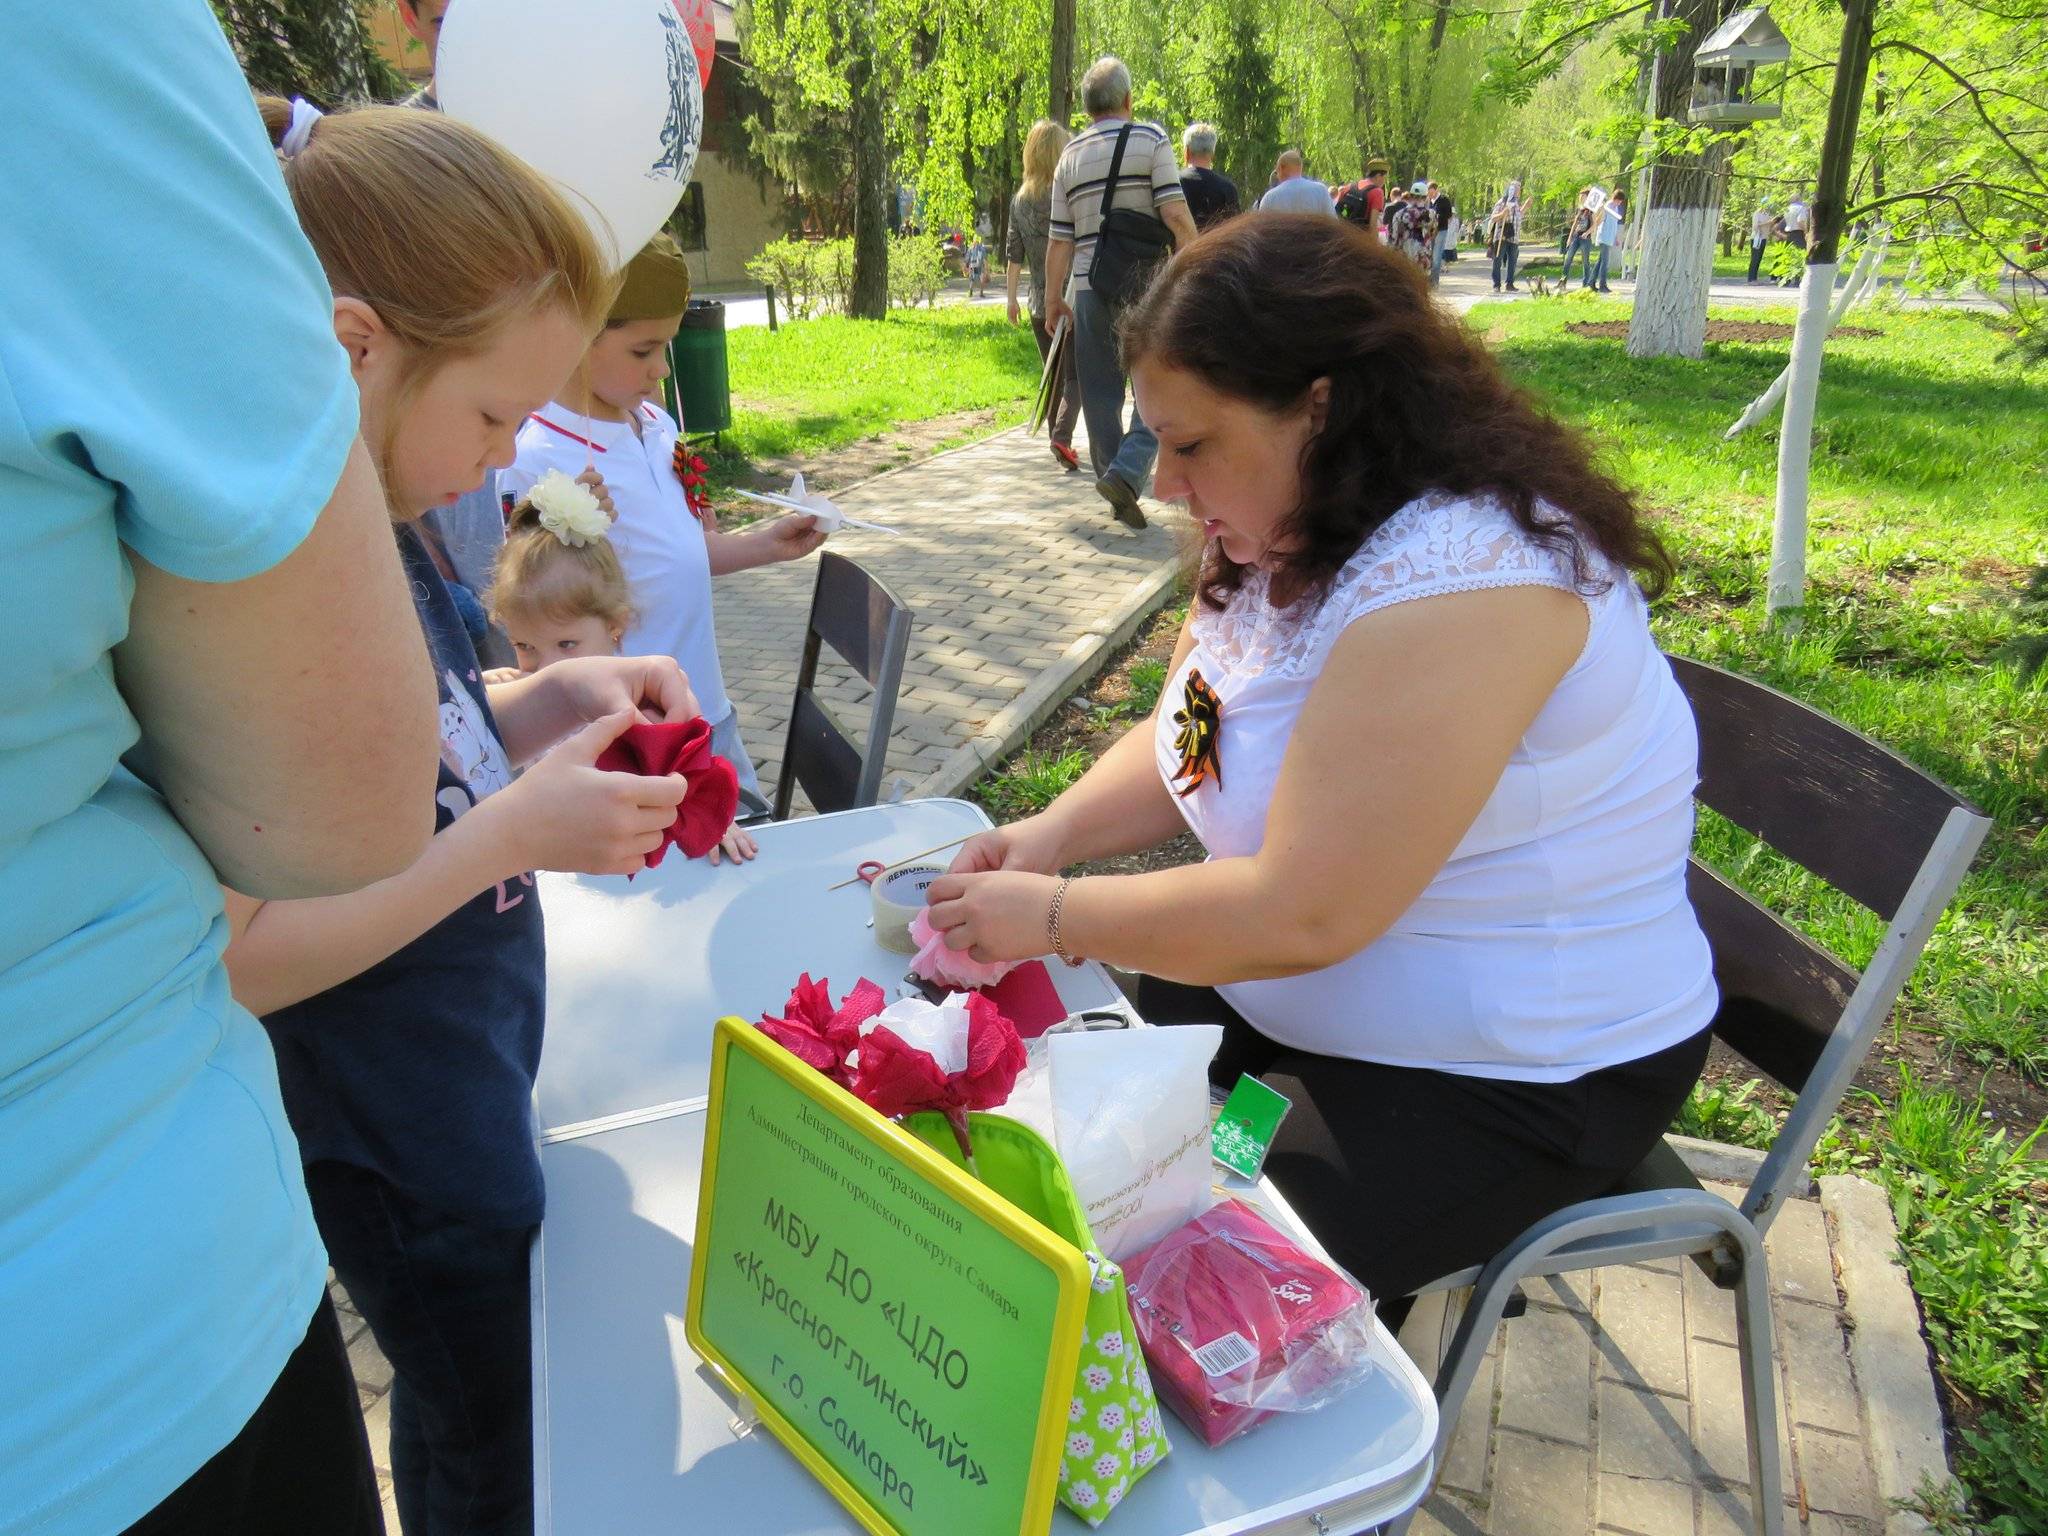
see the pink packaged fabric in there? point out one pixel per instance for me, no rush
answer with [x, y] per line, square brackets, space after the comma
[1240, 1323]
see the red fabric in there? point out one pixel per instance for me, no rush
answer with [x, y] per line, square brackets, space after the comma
[681, 746]
[894, 1078]
[818, 1034]
[1028, 999]
[1229, 1271]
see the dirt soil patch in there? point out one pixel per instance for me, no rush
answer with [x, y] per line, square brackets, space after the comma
[1717, 330]
[868, 457]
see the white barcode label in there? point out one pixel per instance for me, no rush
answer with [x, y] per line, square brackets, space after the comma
[1219, 1357]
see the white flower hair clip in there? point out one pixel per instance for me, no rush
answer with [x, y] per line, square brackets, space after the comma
[568, 509]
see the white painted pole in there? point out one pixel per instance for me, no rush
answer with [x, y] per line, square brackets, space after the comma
[1786, 592]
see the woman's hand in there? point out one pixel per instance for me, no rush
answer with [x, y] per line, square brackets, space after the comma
[595, 481]
[1030, 846]
[1013, 311]
[565, 814]
[997, 916]
[792, 536]
[594, 687]
[737, 846]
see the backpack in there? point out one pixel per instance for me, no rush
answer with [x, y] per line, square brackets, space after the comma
[1355, 203]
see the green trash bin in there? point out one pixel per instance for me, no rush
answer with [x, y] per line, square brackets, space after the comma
[697, 357]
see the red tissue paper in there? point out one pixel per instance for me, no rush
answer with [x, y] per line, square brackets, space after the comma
[818, 1034]
[680, 746]
[1239, 1322]
[896, 1077]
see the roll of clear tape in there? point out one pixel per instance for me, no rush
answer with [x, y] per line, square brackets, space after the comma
[898, 895]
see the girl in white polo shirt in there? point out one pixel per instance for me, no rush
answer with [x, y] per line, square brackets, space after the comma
[607, 418]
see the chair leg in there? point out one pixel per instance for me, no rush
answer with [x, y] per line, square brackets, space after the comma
[1760, 1398]
[1497, 1289]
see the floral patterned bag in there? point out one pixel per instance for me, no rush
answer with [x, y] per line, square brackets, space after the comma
[1116, 1432]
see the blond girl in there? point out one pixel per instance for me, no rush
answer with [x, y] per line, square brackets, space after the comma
[407, 1017]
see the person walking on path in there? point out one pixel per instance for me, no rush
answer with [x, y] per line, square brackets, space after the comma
[1445, 211]
[1579, 239]
[1212, 196]
[1412, 230]
[1364, 200]
[1503, 228]
[1762, 224]
[1293, 191]
[1146, 181]
[1606, 234]
[1030, 224]
[1798, 218]
[213, 672]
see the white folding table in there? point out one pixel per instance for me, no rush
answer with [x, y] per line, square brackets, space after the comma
[632, 1433]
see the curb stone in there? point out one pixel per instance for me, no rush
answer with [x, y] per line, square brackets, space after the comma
[1901, 1418]
[1012, 725]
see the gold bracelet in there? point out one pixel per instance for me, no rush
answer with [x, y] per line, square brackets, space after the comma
[1052, 923]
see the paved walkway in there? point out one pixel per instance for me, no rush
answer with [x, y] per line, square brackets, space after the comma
[1017, 575]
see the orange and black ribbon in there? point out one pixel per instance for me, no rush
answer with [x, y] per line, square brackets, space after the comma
[1199, 718]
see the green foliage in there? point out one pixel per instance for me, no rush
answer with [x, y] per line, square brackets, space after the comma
[1147, 677]
[1717, 1112]
[815, 277]
[312, 48]
[1032, 782]
[817, 384]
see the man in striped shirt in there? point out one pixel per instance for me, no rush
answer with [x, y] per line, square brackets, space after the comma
[1148, 181]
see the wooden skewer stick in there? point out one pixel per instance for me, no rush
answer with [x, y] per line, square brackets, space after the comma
[893, 863]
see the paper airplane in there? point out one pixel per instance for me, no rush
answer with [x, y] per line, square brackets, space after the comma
[829, 517]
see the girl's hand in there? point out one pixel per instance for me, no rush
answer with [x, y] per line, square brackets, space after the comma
[793, 535]
[1029, 846]
[736, 845]
[999, 916]
[597, 686]
[595, 481]
[565, 814]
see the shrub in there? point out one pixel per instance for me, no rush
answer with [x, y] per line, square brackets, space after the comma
[815, 277]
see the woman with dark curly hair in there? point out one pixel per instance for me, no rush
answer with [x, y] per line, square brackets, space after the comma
[1417, 719]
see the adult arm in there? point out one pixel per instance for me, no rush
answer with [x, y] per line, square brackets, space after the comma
[1363, 815]
[1059, 266]
[1179, 220]
[1120, 805]
[537, 709]
[564, 814]
[301, 767]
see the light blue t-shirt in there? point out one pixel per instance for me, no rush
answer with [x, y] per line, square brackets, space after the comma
[169, 380]
[1298, 194]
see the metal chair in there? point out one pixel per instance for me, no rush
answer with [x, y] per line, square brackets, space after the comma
[868, 626]
[1881, 832]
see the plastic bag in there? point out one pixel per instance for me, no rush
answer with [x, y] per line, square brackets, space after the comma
[1240, 1322]
[1131, 1121]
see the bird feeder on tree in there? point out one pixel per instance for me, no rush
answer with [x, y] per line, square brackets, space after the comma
[1724, 70]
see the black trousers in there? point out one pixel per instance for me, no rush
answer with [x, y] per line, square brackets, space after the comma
[1408, 1175]
[299, 1467]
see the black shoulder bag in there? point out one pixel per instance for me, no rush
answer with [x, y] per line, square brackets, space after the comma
[1129, 245]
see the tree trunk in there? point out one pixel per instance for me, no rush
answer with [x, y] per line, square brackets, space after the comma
[870, 296]
[1060, 75]
[1786, 594]
[1670, 318]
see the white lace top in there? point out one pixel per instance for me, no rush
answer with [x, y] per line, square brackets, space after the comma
[1558, 938]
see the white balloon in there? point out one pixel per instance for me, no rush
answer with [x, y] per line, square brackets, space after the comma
[600, 95]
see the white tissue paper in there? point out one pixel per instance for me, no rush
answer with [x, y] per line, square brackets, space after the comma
[1130, 1111]
[937, 1029]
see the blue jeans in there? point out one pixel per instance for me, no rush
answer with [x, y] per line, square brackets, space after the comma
[448, 1303]
[1599, 277]
[1507, 251]
[1113, 448]
[1436, 256]
[1581, 246]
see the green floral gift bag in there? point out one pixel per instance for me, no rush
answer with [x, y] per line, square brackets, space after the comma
[1115, 1430]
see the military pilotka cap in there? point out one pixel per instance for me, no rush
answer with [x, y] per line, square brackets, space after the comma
[657, 283]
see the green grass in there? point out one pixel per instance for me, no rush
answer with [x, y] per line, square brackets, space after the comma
[1929, 507]
[1030, 783]
[814, 385]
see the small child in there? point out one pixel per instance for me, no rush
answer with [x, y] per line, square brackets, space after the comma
[606, 417]
[559, 593]
[977, 268]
